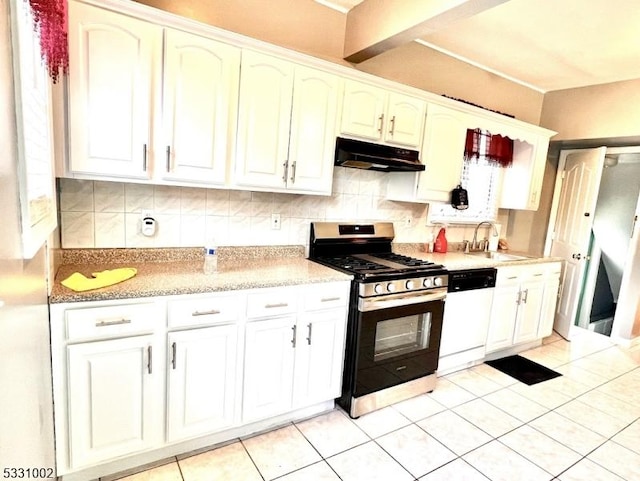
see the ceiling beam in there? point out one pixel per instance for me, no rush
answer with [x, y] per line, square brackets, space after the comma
[375, 26]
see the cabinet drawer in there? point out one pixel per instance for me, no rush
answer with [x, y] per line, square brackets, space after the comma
[508, 275]
[112, 321]
[272, 302]
[204, 311]
[325, 296]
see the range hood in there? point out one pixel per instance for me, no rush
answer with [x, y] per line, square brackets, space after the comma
[365, 155]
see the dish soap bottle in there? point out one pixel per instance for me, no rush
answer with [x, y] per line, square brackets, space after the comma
[440, 244]
[210, 260]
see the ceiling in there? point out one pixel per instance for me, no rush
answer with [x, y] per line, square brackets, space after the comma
[544, 44]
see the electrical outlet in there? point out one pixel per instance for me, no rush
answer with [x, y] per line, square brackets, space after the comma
[408, 220]
[275, 221]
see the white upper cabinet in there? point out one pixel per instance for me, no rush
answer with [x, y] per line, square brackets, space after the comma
[266, 87]
[522, 182]
[113, 61]
[286, 126]
[199, 108]
[376, 114]
[405, 120]
[442, 154]
[139, 111]
[313, 130]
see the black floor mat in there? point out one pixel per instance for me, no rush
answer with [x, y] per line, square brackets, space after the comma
[523, 369]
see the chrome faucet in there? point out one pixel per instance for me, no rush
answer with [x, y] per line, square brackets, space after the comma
[482, 245]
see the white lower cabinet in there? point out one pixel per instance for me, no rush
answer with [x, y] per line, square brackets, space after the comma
[522, 302]
[136, 377]
[293, 358]
[268, 368]
[319, 356]
[201, 381]
[114, 387]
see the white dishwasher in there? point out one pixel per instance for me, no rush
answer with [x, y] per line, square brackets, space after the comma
[467, 312]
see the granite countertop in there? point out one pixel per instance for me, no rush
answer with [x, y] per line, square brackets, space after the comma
[182, 274]
[163, 272]
[459, 260]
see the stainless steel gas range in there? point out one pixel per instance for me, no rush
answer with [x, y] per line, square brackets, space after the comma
[395, 314]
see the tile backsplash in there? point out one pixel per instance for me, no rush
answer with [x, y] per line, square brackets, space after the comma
[100, 214]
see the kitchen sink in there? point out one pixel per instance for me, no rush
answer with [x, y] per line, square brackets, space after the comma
[498, 256]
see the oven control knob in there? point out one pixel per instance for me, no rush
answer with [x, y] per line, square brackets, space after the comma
[428, 282]
[410, 285]
[437, 281]
[378, 289]
[391, 287]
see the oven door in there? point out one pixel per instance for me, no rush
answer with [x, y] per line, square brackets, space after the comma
[399, 339]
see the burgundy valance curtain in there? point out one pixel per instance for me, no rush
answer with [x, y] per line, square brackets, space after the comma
[480, 144]
[50, 23]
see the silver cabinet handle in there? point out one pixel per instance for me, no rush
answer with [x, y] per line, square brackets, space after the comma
[381, 119]
[279, 304]
[150, 359]
[293, 172]
[113, 322]
[286, 169]
[393, 124]
[173, 355]
[309, 326]
[329, 299]
[293, 338]
[168, 158]
[519, 299]
[526, 295]
[144, 157]
[205, 313]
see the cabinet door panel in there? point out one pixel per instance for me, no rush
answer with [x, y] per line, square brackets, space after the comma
[266, 87]
[268, 371]
[313, 130]
[503, 314]
[529, 312]
[442, 153]
[548, 310]
[406, 120]
[113, 59]
[363, 110]
[199, 111]
[113, 391]
[201, 380]
[320, 351]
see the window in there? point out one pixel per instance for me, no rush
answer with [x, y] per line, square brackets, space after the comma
[482, 180]
[481, 175]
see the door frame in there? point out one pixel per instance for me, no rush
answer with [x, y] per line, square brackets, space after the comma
[624, 317]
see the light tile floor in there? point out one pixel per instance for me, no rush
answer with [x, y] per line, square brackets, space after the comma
[478, 424]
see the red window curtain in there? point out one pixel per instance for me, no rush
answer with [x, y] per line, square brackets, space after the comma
[50, 22]
[480, 144]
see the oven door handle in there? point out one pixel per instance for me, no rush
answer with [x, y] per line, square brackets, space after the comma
[398, 300]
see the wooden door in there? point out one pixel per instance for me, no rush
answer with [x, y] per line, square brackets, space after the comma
[579, 173]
